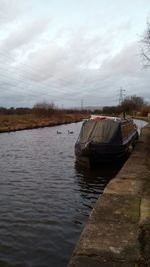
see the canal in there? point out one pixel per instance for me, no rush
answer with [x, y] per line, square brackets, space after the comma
[45, 199]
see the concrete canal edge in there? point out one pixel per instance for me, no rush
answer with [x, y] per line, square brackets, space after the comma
[117, 233]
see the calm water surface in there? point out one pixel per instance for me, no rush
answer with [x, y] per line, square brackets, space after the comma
[45, 199]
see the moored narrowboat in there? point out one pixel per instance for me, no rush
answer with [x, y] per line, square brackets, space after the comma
[105, 139]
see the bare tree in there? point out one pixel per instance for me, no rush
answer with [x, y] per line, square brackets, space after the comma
[44, 109]
[146, 46]
[132, 104]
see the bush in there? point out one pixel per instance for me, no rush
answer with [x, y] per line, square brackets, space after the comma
[44, 109]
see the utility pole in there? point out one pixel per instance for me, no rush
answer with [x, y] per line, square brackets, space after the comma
[121, 95]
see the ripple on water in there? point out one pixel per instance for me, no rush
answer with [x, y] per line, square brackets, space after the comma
[45, 198]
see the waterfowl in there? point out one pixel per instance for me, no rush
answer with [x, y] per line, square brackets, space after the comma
[59, 132]
[70, 132]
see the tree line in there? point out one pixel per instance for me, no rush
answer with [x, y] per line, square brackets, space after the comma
[132, 105]
[42, 109]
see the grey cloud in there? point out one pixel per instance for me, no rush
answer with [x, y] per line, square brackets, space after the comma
[25, 34]
[10, 10]
[81, 52]
[81, 67]
[61, 68]
[67, 63]
[125, 62]
[5, 10]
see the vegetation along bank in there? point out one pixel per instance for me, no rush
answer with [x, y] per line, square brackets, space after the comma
[42, 115]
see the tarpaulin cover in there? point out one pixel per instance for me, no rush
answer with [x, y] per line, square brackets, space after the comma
[99, 131]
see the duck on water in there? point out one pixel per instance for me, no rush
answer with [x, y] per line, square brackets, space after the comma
[105, 139]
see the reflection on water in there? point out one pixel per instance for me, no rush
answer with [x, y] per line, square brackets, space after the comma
[140, 124]
[92, 175]
[93, 181]
[45, 199]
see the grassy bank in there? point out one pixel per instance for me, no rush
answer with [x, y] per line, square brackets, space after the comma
[10, 123]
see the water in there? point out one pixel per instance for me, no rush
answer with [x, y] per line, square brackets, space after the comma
[45, 199]
[140, 124]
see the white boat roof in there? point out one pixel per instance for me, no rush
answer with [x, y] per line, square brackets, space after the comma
[101, 117]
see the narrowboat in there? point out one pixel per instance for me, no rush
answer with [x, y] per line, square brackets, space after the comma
[105, 139]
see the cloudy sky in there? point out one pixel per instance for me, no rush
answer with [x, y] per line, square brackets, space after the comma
[71, 51]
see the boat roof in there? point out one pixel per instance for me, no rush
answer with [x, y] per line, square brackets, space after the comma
[102, 129]
[117, 119]
[99, 130]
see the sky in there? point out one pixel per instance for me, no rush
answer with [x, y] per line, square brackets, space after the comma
[72, 52]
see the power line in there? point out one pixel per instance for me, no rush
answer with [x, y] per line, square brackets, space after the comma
[19, 82]
[30, 70]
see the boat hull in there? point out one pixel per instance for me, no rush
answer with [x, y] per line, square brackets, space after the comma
[105, 153]
[105, 140]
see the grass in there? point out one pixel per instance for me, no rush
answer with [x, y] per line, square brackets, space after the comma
[28, 121]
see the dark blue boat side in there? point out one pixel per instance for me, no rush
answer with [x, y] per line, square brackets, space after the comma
[105, 139]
